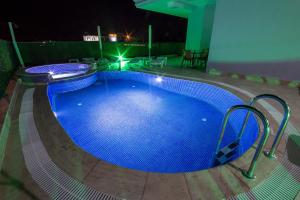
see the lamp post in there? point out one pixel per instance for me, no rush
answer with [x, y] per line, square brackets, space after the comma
[120, 64]
[15, 44]
[149, 41]
[100, 41]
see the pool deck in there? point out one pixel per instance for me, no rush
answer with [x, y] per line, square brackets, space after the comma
[275, 178]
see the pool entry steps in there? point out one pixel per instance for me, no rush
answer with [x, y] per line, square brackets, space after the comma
[226, 153]
[283, 124]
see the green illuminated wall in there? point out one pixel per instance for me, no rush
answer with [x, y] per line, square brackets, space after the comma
[257, 37]
[200, 14]
[199, 31]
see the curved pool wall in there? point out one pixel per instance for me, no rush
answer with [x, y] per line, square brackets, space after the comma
[68, 86]
[213, 96]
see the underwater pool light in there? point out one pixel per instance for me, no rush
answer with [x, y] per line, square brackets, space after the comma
[158, 79]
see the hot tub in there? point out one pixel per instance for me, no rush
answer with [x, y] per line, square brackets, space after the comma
[46, 73]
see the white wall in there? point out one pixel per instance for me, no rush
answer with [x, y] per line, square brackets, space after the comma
[200, 23]
[257, 37]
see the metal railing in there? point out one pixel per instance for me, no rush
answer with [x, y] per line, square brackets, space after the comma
[281, 129]
[250, 172]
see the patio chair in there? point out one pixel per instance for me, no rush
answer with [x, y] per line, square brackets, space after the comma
[102, 61]
[161, 61]
[102, 64]
[88, 60]
[137, 62]
[187, 58]
[201, 58]
[73, 60]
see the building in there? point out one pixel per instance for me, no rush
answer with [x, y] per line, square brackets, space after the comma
[247, 37]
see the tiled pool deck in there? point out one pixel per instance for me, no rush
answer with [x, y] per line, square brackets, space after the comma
[276, 179]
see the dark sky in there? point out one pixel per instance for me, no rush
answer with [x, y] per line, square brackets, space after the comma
[69, 20]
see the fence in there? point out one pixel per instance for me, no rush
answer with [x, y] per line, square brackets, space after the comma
[35, 53]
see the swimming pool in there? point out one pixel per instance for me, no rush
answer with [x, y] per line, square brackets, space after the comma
[146, 122]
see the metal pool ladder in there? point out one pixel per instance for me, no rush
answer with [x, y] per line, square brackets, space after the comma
[283, 124]
[224, 154]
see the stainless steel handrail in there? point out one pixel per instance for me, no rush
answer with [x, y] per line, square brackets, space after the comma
[250, 172]
[280, 132]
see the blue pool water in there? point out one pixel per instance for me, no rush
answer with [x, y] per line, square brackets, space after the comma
[137, 125]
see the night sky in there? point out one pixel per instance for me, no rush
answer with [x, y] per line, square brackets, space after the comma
[69, 20]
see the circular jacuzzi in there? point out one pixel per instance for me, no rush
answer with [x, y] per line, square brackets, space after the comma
[150, 123]
[59, 70]
[46, 73]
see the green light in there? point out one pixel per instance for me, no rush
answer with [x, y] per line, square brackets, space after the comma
[120, 57]
[122, 62]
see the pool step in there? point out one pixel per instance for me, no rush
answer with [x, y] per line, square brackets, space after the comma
[226, 153]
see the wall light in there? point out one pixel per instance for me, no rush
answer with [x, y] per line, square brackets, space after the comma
[113, 37]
